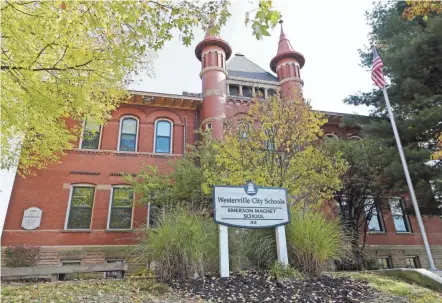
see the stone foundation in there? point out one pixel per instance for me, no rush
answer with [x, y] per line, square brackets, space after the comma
[55, 255]
[398, 254]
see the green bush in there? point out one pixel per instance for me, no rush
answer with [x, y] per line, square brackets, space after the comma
[21, 255]
[314, 241]
[260, 247]
[184, 245]
[282, 272]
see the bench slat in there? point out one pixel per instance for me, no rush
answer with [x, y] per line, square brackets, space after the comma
[49, 270]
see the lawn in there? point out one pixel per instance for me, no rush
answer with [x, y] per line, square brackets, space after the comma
[128, 290]
[148, 290]
[411, 292]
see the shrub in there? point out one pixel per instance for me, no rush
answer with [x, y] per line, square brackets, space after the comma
[21, 255]
[260, 247]
[183, 245]
[315, 241]
[282, 272]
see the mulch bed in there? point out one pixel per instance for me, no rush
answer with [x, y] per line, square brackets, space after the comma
[260, 287]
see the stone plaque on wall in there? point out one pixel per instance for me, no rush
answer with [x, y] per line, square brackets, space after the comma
[31, 218]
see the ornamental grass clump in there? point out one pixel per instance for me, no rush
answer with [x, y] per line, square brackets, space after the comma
[183, 245]
[314, 241]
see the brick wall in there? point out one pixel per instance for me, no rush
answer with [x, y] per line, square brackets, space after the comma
[49, 189]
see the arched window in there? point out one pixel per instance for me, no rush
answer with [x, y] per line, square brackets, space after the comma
[163, 137]
[128, 134]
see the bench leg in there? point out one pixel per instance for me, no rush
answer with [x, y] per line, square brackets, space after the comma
[54, 278]
[120, 274]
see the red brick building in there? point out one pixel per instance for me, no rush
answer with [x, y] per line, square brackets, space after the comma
[88, 214]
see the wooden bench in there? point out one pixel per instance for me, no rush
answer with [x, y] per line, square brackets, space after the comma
[54, 271]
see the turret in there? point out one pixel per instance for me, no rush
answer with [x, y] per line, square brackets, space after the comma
[213, 52]
[287, 65]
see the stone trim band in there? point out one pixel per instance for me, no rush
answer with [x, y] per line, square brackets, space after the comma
[213, 68]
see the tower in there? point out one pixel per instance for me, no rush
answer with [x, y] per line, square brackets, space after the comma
[213, 52]
[287, 65]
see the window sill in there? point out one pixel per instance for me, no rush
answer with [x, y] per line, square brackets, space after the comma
[377, 233]
[76, 231]
[119, 230]
[403, 232]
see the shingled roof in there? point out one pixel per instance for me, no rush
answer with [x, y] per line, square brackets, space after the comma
[240, 66]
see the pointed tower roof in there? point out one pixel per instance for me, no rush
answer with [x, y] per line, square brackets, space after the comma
[212, 39]
[285, 50]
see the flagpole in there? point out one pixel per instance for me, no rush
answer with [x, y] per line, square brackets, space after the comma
[410, 184]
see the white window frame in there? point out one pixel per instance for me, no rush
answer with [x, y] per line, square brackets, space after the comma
[136, 137]
[71, 191]
[110, 209]
[82, 134]
[155, 136]
[404, 215]
[380, 217]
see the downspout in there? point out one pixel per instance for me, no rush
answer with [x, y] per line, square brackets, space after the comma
[185, 136]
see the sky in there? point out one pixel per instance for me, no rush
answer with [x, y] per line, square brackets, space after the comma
[327, 33]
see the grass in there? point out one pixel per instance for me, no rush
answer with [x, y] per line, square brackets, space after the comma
[413, 293]
[315, 241]
[128, 290]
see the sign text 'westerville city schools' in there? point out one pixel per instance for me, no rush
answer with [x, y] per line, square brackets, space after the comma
[250, 206]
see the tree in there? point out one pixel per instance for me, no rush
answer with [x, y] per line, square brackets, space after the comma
[411, 52]
[179, 184]
[276, 144]
[422, 9]
[64, 61]
[365, 186]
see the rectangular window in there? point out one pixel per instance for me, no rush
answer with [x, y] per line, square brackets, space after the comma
[384, 263]
[155, 214]
[247, 91]
[91, 135]
[412, 262]
[113, 274]
[401, 222]
[259, 92]
[121, 208]
[234, 90]
[271, 92]
[80, 207]
[63, 277]
[374, 223]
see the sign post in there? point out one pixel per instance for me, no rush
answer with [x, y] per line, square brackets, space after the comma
[250, 206]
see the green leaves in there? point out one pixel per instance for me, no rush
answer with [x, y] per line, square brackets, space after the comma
[65, 61]
[410, 49]
[266, 18]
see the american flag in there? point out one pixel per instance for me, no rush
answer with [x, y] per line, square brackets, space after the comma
[376, 71]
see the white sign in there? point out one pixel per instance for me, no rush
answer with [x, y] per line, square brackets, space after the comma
[253, 207]
[31, 218]
[250, 206]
